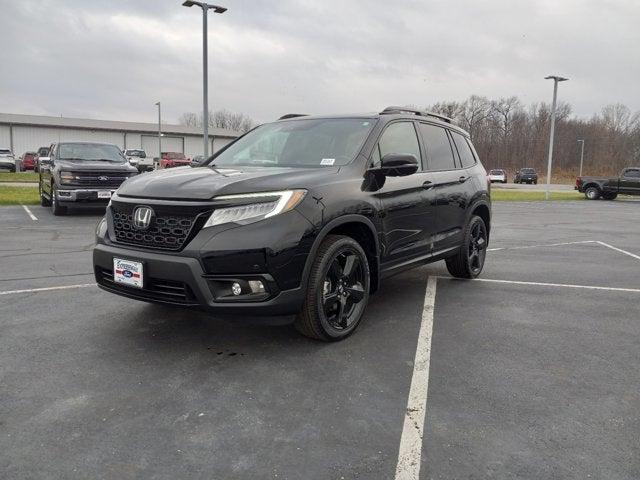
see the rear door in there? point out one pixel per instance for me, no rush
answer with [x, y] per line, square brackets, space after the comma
[630, 181]
[407, 213]
[451, 186]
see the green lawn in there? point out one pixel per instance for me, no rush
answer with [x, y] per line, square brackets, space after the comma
[18, 195]
[504, 195]
[18, 177]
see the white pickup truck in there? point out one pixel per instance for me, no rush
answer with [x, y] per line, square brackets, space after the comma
[7, 160]
[138, 158]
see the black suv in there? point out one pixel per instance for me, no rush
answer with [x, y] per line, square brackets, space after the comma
[526, 175]
[303, 216]
[80, 173]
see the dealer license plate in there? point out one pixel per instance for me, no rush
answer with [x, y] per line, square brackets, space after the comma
[127, 272]
[104, 193]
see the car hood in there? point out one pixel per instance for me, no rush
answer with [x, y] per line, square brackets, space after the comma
[87, 165]
[203, 183]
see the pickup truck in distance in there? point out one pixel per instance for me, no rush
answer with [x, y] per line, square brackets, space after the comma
[628, 183]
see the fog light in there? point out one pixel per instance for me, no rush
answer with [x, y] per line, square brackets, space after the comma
[256, 286]
[236, 288]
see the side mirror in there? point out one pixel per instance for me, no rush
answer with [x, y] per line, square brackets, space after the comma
[398, 165]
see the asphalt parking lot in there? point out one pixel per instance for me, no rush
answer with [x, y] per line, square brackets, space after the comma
[530, 374]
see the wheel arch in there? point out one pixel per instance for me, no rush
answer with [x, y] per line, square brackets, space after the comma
[481, 208]
[361, 229]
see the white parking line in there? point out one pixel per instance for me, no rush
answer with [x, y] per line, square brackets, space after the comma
[26, 209]
[637, 257]
[46, 289]
[539, 246]
[408, 466]
[543, 284]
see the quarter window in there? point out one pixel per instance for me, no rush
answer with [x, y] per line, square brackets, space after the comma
[439, 151]
[399, 137]
[632, 173]
[466, 155]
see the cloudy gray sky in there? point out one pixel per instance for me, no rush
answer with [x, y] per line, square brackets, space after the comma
[114, 59]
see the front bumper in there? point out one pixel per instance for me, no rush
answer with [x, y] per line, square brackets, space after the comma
[84, 194]
[180, 280]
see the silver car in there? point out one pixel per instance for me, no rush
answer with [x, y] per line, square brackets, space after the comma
[7, 159]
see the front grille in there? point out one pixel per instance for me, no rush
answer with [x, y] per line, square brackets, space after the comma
[170, 228]
[154, 289]
[99, 179]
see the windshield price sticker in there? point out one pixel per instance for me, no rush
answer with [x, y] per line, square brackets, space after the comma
[327, 161]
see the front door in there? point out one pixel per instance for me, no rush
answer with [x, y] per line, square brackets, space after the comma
[408, 220]
[630, 181]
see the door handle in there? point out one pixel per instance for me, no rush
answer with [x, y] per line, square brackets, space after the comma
[428, 185]
[463, 179]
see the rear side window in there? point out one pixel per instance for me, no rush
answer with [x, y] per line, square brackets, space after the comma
[399, 137]
[632, 173]
[466, 155]
[439, 151]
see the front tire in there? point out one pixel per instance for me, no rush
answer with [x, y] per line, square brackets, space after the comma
[56, 208]
[469, 260]
[337, 290]
[592, 193]
[609, 196]
[45, 202]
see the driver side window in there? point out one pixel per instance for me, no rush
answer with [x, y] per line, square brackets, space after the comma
[399, 137]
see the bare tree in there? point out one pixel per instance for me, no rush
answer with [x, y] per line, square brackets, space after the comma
[238, 122]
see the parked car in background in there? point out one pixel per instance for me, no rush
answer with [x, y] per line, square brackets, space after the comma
[138, 158]
[28, 161]
[197, 160]
[628, 183]
[301, 217]
[173, 159]
[526, 175]
[7, 160]
[497, 175]
[81, 173]
[41, 154]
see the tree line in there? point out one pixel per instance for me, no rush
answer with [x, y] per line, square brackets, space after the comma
[510, 135]
[238, 122]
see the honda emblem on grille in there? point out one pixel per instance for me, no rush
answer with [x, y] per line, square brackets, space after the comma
[102, 178]
[142, 218]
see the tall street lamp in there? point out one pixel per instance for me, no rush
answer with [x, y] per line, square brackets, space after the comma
[581, 142]
[556, 79]
[205, 93]
[159, 134]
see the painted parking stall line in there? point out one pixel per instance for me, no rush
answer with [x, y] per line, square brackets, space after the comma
[30, 213]
[46, 289]
[632, 255]
[408, 466]
[544, 284]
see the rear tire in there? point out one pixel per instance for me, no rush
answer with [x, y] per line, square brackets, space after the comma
[592, 193]
[469, 260]
[337, 290]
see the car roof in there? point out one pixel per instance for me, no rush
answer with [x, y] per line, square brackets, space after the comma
[396, 113]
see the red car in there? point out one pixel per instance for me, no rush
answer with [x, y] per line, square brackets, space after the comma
[174, 159]
[29, 161]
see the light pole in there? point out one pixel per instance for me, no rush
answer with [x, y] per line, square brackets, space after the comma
[555, 79]
[159, 134]
[581, 142]
[205, 90]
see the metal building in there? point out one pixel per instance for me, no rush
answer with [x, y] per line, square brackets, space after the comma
[22, 133]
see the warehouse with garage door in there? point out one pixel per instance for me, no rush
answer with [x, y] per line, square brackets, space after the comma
[24, 133]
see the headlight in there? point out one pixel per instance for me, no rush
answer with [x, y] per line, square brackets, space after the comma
[66, 177]
[101, 227]
[251, 209]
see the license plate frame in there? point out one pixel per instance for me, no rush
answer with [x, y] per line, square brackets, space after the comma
[129, 273]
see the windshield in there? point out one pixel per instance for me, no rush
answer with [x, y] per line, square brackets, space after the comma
[90, 151]
[174, 156]
[4, 151]
[299, 143]
[136, 153]
[43, 152]
[496, 172]
[527, 170]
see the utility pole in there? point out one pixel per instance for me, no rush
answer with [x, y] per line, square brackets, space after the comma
[205, 89]
[159, 134]
[556, 79]
[581, 142]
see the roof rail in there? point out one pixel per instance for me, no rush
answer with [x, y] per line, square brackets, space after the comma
[293, 115]
[390, 110]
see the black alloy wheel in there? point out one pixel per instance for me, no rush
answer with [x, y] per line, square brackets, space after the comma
[468, 262]
[337, 291]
